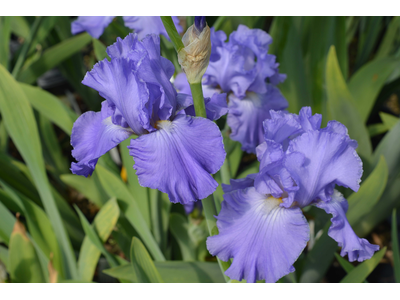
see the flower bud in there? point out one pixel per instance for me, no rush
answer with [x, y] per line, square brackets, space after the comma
[195, 56]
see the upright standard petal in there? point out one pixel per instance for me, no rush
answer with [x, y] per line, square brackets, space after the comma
[118, 83]
[152, 69]
[341, 231]
[263, 238]
[145, 25]
[283, 127]
[93, 25]
[93, 135]
[179, 157]
[246, 116]
[317, 160]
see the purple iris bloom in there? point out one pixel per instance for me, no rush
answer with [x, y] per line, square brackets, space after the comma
[148, 25]
[175, 152]
[261, 225]
[243, 68]
[142, 25]
[93, 25]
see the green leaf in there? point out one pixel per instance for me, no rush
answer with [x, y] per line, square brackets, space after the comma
[114, 187]
[20, 26]
[175, 272]
[369, 33]
[94, 238]
[376, 129]
[295, 88]
[235, 157]
[140, 193]
[395, 246]
[389, 40]
[4, 256]
[5, 32]
[368, 81]
[20, 123]
[45, 27]
[50, 106]
[319, 258]
[142, 264]
[99, 50]
[23, 262]
[104, 222]
[179, 229]
[371, 190]
[348, 267]
[52, 152]
[251, 169]
[388, 120]
[159, 209]
[324, 33]
[361, 272]
[87, 186]
[3, 137]
[7, 222]
[53, 56]
[341, 105]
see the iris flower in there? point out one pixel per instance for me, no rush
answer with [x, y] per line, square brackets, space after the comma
[142, 25]
[243, 68]
[261, 225]
[174, 152]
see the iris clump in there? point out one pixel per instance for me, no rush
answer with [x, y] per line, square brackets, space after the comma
[141, 100]
[243, 68]
[261, 225]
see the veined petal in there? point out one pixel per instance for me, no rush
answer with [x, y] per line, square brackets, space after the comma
[94, 134]
[317, 160]
[246, 116]
[263, 238]
[144, 25]
[341, 231]
[117, 82]
[94, 25]
[178, 158]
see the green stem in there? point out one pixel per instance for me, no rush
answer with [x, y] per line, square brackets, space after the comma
[173, 33]
[200, 109]
[198, 99]
[26, 47]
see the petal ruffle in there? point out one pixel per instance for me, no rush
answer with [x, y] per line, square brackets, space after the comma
[283, 126]
[263, 238]
[317, 160]
[341, 231]
[93, 134]
[178, 158]
[93, 25]
[246, 116]
[145, 25]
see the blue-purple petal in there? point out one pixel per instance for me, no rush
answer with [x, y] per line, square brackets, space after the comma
[317, 160]
[93, 25]
[341, 231]
[179, 157]
[263, 238]
[144, 25]
[93, 135]
[246, 116]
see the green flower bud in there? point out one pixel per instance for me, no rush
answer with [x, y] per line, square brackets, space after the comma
[195, 56]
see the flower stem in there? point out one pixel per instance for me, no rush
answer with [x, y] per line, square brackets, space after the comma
[200, 109]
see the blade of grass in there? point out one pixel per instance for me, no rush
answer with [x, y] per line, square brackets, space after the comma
[395, 246]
